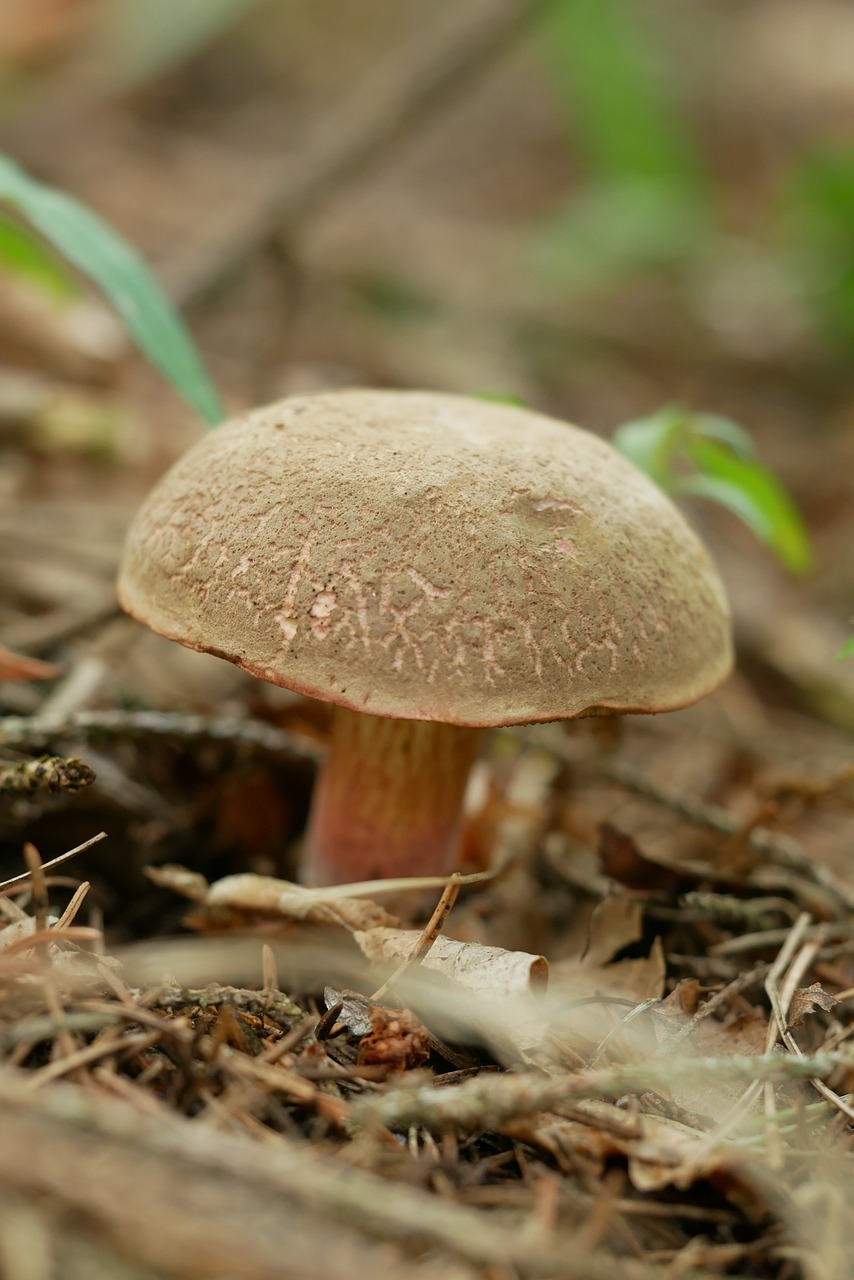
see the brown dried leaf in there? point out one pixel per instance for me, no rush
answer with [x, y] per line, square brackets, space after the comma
[15, 930]
[188, 884]
[487, 969]
[15, 666]
[806, 1000]
[641, 979]
[684, 999]
[745, 1035]
[616, 923]
[598, 1009]
[269, 898]
[660, 1153]
[630, 980]
[622, 860]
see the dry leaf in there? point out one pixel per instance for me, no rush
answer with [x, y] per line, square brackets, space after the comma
[14, 666]
[622, 860]
[594, 1006]
[806, 1000]
[16, 930]
[641, 979]
[188, 884]
[616, 922]
[354, 1012]
[660, 1153]
[684, 999]
[745, 1034]
[491, 970]
[628, 980]
[248, 894]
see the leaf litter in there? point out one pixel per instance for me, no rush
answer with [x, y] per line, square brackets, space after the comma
[636, 1096]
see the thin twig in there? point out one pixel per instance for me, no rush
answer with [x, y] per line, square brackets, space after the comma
[31, 1031]
[781, 1005]
[382, 109]
[780, 990]
[489, 1100]
[431, 932]
[90, 1053]
[742, 1106]
[54, 862]
[742, 982]
[75, 933]
[77, 899]
[30, 731]
[782, 849]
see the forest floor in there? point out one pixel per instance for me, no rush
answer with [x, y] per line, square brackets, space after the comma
[637, 1062]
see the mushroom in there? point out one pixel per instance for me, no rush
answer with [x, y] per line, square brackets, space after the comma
[432, 566]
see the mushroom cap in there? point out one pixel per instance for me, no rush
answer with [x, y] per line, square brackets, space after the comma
[430, 557]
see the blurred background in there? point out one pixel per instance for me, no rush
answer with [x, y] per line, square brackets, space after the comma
[600, 207]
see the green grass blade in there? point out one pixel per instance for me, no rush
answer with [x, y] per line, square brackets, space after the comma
[87, 242]
[610, 71]
[713, 426]
[649, 442]
[818, 218]
[24, 255]
[709, 456]
[753, 493]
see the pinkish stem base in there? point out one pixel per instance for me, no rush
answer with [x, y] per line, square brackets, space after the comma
[388, 801]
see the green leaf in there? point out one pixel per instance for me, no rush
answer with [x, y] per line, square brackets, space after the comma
[847, 649]
[612, 229]
[818, 216]
[754, 493]
[24, 255]
[501, 397]
[96, 250]
[649, 442]
[646, 202]
[713, 426]
[709, 456]
[608, 64]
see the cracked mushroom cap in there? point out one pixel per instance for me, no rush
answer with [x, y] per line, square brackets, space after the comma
[429, 557]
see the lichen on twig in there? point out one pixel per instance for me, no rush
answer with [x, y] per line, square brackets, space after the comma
[53, 774]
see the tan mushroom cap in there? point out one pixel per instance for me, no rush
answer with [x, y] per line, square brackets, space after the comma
[430, 557]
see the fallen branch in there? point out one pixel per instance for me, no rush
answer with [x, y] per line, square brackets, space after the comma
[491, 1100]
[49, 773]
[382, 110]
[175, 1197]
[31, 731]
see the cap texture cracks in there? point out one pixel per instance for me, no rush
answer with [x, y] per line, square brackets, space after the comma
[430, 557]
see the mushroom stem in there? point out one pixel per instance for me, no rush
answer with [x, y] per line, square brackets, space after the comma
[388, 801]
